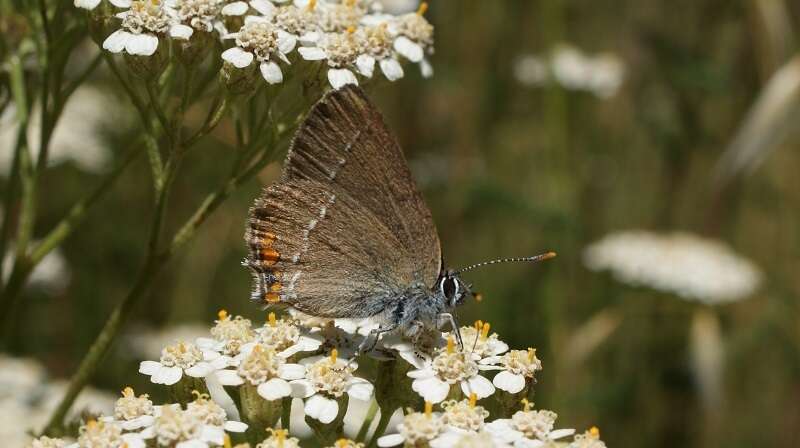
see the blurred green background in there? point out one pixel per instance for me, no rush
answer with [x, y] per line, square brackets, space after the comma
[511, 169]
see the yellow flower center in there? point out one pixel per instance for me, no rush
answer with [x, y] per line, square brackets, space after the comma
[423, 7]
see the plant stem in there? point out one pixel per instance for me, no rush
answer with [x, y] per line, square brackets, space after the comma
[368, 419]
[383, 422]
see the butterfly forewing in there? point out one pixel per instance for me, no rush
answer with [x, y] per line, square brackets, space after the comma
[345, 227]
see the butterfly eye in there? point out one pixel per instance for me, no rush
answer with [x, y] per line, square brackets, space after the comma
[449, 287]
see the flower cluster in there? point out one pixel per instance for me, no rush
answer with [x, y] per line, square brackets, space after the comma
[346, 40]
[690, 266]
[313, 361]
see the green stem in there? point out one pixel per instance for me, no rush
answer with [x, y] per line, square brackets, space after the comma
[371, 413]
[152, 95]
[383, 423]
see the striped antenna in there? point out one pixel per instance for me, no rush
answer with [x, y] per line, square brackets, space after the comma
[534, 259]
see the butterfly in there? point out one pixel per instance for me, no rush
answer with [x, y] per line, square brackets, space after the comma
[345, 233]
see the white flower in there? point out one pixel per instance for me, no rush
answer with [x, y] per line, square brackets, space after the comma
[264, 368]
[690, 266]
[414, 38]
[417, 429]
[132, 412]
[106, 434]
[179, 359]
[211, 414]
[286, 338]
[326, 380]
[241, 8]
[589, 439]
[260, 40]
[338, 17]
[229, 335]
[474, 440]
[91, 4]
[199, 15]
[340, 51]
[299, 22]
[450, 367]
[479, 343]
[531, 70]
[528, 428]
[518, 368]
[142, 25]
[396, 6]
[601, 75]
[279, 438]
[183, 429]
[377, 47]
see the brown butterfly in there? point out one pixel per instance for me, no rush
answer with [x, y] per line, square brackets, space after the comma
[345, 233]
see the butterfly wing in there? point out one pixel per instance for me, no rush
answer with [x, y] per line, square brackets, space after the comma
[345, 229]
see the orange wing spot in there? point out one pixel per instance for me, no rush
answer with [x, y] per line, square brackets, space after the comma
[268, 238]
[272, 297]
[269, 256]
[275, 287]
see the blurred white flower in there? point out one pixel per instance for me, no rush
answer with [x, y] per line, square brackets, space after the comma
[106, 434]
[195, 15]
[44, 442]
[395, 6]
[78, 135]
[327, 379]
[340, 52]
[417, 429]
[693, 267]
[414, 38]
[601, 74]
[183, 428]
[450, 367]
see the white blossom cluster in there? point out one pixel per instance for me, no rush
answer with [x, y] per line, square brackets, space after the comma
[313, 360]
[346, 39]
[692, 267]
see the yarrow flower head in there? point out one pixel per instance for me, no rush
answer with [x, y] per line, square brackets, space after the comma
[96, 433]
[260, 40]
[132, 412]
[518, 368]
[528, 428]
[287, 338]
[46, 442]
[142, 25]
[346, 443]
[450, 367]
[417, 429]
[211, 414]
[338, 17]
[414, 38]
[690, 266]
[589, 439]
[327, 379]
[279, 438]
[179, 359]
[480, 343]
[264, 368]
[196, 15]
[230, 334]
[340, 51]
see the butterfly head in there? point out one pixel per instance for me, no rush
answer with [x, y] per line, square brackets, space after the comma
[454, 290]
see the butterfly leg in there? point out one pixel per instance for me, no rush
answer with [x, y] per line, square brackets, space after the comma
[448, 318]
[371, 340]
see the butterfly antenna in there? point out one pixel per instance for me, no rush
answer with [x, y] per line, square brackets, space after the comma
[534, 259]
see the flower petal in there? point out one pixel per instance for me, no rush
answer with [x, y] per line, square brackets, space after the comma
[149, 367]
[391, 69]
[360, 389]
[390, 440]
[286, 41]
[235, 9]
[199, 370]
[481, 386]
[312, 53]
[121, 3]
[181, 31]
[321, 408]
[229, 378]
[274, 389]
[238, 57]
[425, 68]
[168, 375]
[141, 44]
[292, 371]
[426, 372]
[302, 388]
[86, 4]
[115, 42]
[234, 426]
[408, 49]
[340, 77]
[271, 72]
[431, 389]
[133, 440]
[264, 7]
[213, 434]
[509, 382]
[366, 65]
[559, 433]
